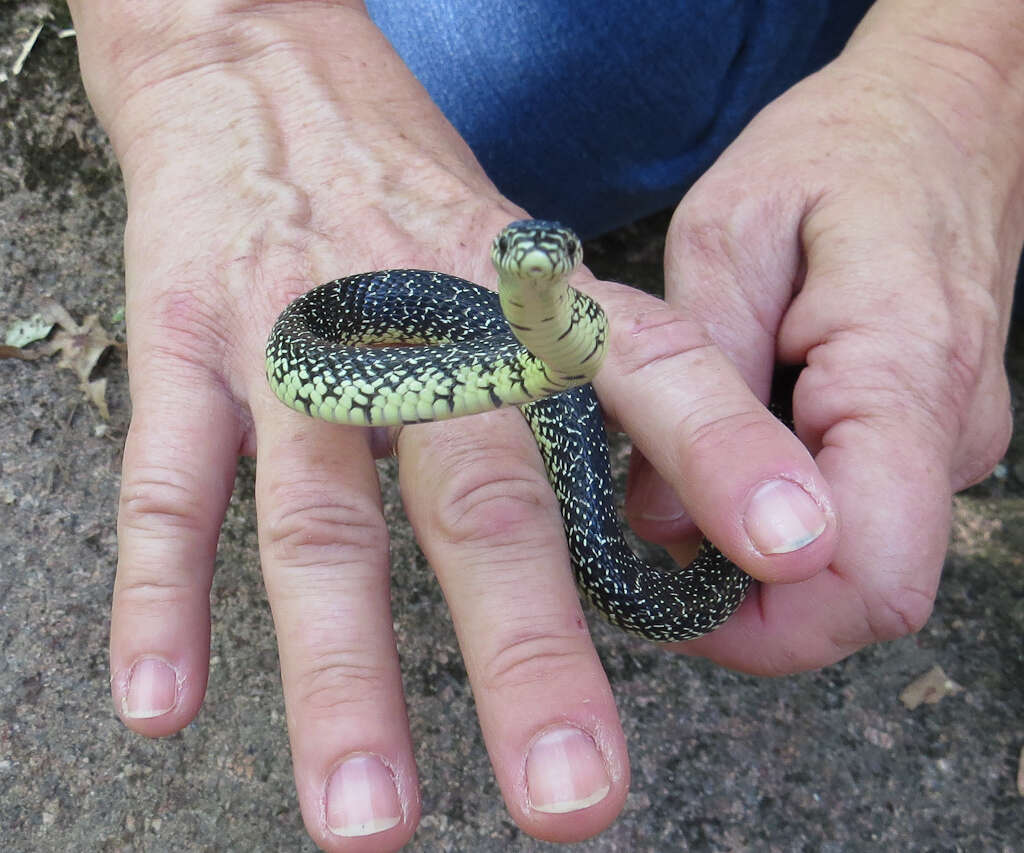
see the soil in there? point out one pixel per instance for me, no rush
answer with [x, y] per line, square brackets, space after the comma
[826, 761]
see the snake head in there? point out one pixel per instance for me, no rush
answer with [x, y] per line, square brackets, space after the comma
[535, 250]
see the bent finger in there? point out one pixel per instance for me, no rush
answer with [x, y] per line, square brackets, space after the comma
[745, 479]
[882, 582]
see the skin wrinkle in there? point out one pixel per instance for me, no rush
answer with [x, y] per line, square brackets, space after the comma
[297, 7]
[964, 49]
[533, 657]
[150, 501]
[155, 108]
[347, 572]
[251, 57]
[646, 345]
[711, 422]
[739, 245]
[186, 322]
[199, 367]
[487, 504]
[963, 144]
[303, 518]
[148, 596]
[879, 402]
[330, 683]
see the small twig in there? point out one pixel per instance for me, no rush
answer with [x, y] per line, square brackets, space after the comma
[26, 49]
[15, 352]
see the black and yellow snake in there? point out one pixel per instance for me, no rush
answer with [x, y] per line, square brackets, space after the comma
[405, 346]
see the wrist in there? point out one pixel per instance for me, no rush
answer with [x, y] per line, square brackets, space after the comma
[963, 62]
[216, 88]
[129, 47]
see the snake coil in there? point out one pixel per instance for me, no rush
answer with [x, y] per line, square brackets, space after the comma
[405, 346]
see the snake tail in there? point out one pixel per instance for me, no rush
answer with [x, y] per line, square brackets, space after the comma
[662, 605]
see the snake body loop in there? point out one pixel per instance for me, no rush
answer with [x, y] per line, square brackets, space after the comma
[406, 346]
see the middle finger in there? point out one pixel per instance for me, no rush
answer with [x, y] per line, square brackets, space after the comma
[477, 495]
[323, 545]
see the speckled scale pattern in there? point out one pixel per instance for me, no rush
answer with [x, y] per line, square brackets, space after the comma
[327, 356]
[658, 604]
[326, 340]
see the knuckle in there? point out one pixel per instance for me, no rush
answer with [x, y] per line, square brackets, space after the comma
[657, 337]
[901, 610]
[161, 501]
[532, 656]
[983, 452]
[717, 425]
[337, 680]
[304, 526]
[154, 592]
[189, 329]
[491, 498]
[962, 360]
[704, 222]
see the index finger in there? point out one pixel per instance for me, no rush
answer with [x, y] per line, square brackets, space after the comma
[744, 478]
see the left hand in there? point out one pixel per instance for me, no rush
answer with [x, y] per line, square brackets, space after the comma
[867, 224]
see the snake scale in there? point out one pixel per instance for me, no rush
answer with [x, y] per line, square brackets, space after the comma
[405, 346]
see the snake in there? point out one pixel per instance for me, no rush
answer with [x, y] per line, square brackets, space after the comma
[405, 346]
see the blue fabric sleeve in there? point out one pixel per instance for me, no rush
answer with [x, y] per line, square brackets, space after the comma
[597, 113]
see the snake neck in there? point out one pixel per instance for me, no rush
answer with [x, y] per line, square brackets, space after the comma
[560, 326]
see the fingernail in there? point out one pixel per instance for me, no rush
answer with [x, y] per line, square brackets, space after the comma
[362, 798]
[654, 498]
[152, 690]
[658, 502]
[565, 772]
[781, 517]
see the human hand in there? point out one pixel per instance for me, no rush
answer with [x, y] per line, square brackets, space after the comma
[255, 168]
[257, 163]
[867, 224]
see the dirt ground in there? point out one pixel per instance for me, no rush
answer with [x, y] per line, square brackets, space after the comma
[827, 761]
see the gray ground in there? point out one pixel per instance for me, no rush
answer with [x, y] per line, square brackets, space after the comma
[825, 761]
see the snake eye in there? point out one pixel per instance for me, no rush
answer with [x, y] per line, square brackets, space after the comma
[502, 244]
[572, 247]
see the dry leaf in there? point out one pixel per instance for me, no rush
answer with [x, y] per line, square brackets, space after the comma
[21, 333]
[929, 688]
[80, 348]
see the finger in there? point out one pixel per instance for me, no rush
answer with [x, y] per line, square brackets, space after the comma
[178, 470]
[895, 495]
[744, 478]
[488, 522]
[652, 506]
[324, 548]
[733, 276]
[881, 403]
